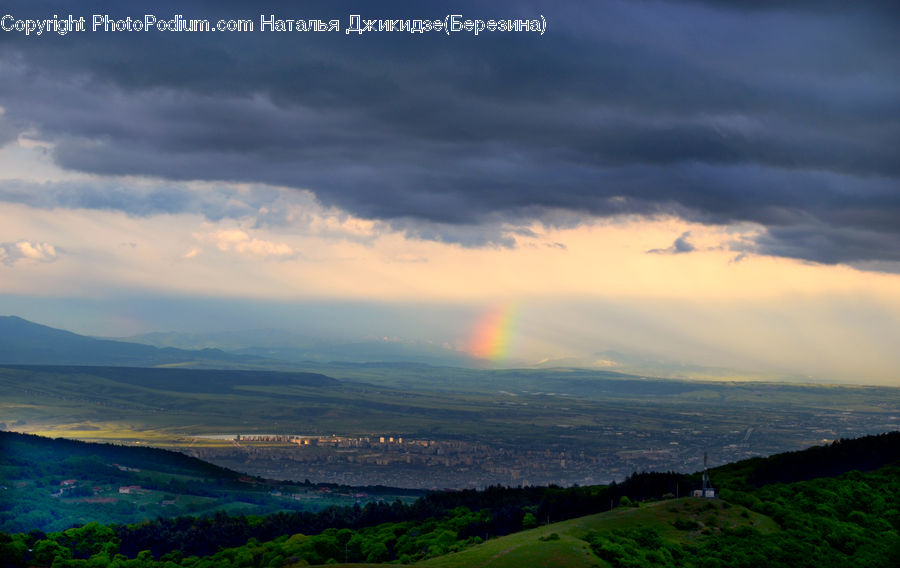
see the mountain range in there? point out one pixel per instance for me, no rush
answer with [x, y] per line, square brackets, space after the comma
[27, 343]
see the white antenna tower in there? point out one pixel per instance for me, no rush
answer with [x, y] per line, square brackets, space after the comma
[705, 475]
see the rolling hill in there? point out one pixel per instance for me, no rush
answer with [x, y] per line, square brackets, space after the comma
[568, 543]
[832, 521]
[52, 484]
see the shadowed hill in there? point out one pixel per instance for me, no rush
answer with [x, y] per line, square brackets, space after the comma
[56, 483]
[861, 454]
[26, 449]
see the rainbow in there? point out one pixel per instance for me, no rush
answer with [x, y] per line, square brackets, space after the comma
[491, 338]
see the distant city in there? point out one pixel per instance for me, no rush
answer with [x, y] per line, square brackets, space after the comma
[447, 463]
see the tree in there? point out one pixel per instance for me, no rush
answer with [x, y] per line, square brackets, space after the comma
[528, 521]
[46, 551]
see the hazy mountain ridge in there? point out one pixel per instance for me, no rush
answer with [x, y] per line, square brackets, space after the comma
[304, 347]
[23, 342]
[27, 343]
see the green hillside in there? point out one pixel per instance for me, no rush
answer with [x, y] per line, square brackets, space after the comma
[847, 520]
[53, 484]
[568, 543]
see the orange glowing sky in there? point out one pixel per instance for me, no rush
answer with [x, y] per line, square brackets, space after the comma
[711, 305]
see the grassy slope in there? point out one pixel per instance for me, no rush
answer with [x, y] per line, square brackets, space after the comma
[527, 549]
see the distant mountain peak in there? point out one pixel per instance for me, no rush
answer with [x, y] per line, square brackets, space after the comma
[24, 342]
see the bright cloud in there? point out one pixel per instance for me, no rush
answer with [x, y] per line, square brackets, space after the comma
[239, 241]
[582, 289]
[22, 250]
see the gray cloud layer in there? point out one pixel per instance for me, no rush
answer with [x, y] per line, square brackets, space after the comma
[786, 115]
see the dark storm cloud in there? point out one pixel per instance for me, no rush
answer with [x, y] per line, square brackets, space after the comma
[681, 246]
[774, 113]
[8, 131]
[852, 245]
[133, 198]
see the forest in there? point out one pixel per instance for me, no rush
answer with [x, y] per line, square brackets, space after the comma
[763, 517]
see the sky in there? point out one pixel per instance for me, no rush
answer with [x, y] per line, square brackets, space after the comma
[712, 184]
